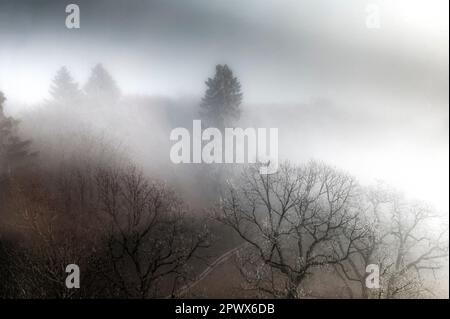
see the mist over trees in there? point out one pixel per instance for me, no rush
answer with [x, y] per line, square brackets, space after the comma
[397, 240]
[312, 218]
[220, 107]
[101, 87]
[14, 152]
[85, 179]
[64, 89]
[294, 221]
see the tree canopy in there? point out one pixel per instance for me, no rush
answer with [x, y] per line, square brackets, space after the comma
[101, 86]
[64, 89]
[220, 106]
[13, 150]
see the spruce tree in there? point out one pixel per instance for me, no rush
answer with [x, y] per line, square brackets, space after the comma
[220, 106]
[101, 87]
[14, 151]
[64, 89]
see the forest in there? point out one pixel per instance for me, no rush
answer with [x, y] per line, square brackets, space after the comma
[86, 179]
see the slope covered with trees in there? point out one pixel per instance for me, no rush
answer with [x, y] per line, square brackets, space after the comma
[139, 233]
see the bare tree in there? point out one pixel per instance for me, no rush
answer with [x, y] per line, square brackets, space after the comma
[149, 238]
[43, 246]
[370, 249]
[415, 248]
[399, 241]
[294, 221]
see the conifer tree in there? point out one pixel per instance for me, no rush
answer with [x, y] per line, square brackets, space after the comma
[64, 89]
[101, 87]
[220, 106]
[13, 150]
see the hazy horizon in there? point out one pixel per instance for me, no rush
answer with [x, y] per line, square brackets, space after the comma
[384, 91]
[93, 177]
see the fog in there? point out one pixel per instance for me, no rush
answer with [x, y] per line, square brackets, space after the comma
[96, 106]
[371, 101]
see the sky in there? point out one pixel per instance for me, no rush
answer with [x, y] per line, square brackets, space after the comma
[389, 84]
[308, 48]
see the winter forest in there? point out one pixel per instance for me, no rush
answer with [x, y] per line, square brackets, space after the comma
[86, 179]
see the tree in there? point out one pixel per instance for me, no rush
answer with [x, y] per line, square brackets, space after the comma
[220, 106]
[149, 239]
[2, 100]
[414, 249]
[398, 241]
[101, 87]
[293, 222]
[64, 89]
[47, 237]
[13, 150]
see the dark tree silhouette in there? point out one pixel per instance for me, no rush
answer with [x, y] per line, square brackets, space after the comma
[220, 106]
[101, 87]
[13, 151]
[293, 222]
[64, 89]
[150, 242]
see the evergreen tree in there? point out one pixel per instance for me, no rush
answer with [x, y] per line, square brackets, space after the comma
[13, 151]
[64, 89]
[2, 100]
[220, 106]
[101, 86]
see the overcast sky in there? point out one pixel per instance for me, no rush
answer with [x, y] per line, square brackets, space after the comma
[282, 51]
[285, 52]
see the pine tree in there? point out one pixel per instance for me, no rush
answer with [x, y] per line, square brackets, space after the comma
[2, 100]
[220, 106]
[64, 89]
[101, 87]
[13, 151]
